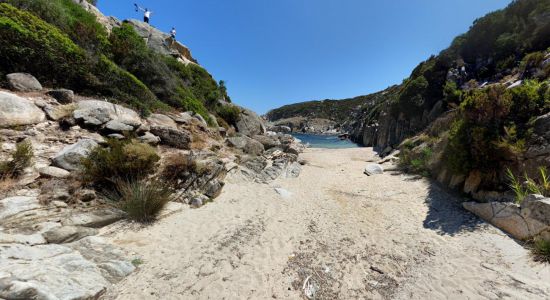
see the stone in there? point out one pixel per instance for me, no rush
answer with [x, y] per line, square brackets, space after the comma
[173, 137]
[184, 118]
[26, 239]
[54, 172]
[198, 201]
[162, 120]
[62, 96]
[59, 112]
[149, 138]
[213, 188]
[68, 234]
[293, 148]
[86, 195]
[60, 204]
[70, 158]
[14, 205]
[267, 141]
[23, 82]
[472, 182]
[201, 119]
[96, 113]
[117, 126]
[16, 111]
[249, 123]
[253, 147]
[95, 219]
[238, 142]
[373, 169]
[116, 136]
[456, 181]
[293, 170]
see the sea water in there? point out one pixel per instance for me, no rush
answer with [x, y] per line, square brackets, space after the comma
[324, 141]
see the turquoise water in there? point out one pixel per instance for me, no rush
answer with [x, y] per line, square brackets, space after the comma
[324, 141]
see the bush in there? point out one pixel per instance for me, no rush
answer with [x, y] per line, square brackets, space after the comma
[34, 46]
[20, 159]
[142, 200]
[457, 153]
[121, 160]
[178, 167]
[541, 250]
[229, 113]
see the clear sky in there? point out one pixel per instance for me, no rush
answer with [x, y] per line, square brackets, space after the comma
[276, 52]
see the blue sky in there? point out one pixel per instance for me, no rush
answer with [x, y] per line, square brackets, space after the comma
[276, 52]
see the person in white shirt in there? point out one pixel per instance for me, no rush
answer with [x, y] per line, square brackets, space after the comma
[146, 13]
[173, 33]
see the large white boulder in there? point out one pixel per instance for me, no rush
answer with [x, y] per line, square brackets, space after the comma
[23, 82]
[15, 111]
[96, 113]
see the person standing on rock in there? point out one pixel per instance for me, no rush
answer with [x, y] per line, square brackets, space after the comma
[173, 33]
[146, 13]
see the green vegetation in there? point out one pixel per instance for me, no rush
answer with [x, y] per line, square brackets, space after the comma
[64, 46]
[540, 186]
[120, 160]
[142, 200]
[415, 159]
[179, 167]
[541, 250]
[20, 159]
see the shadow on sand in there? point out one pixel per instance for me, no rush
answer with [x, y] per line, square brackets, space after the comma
[446, 215]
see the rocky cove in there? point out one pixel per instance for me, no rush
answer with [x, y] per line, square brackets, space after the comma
[127, 172]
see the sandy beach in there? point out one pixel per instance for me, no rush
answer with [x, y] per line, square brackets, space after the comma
[332, 233]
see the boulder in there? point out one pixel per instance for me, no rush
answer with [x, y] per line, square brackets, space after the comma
[67, 234]
[162, 120]
[62, 96]
[213, 188]
[253, 147]
[293, 148]
[267, 141]
[70, 158]
[53, 172]
[59, 112]
[198, 201]
[373, 169]
[238, 142]
[173, 137]
[149, 138]
[117, 126]
[23, 82]
[15, 111]
[249, 123]
[184, 118]
[96, 113]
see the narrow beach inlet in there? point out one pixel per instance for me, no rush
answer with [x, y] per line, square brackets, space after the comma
[331, 233]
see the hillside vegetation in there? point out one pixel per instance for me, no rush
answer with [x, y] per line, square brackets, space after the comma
[64, 46]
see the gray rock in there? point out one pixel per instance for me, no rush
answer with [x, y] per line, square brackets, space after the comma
[149, 138]
[53, 172]
[68, 234]
[59, 112]
[253, 147]
[198, 201]
[162, 120]
[293, 170]
[238, 142]
[201, 119]
[62, 96]
[14, 205]
[249, 123]
[116, 136]
[95, 219]
[96, 113]
[293, 148]
[70, 158]
[80, 270]
[173, 137]
[86, 195]
[184, 118]
[373, 169]
[117, 126]
[15, 111]
[268, 141]
[213, 188]
[23, 82]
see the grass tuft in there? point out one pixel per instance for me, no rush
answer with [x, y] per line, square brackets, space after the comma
[20, 159]
[541, 250]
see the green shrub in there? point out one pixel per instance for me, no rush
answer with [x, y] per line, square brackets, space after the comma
[20, 159]
[34, 46]
[413, 160]
[142, 200]
[487, 106]
[541, 250]
[120, 160]
[457, 153]
[229, 113]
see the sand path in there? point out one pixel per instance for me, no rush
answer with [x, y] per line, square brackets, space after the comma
[352, 237]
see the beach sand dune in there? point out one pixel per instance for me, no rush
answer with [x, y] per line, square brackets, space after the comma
[332, 233]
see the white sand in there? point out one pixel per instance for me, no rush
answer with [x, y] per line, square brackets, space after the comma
[353, 236]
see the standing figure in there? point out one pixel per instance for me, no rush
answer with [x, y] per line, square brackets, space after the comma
[146, 13]
[173, 33]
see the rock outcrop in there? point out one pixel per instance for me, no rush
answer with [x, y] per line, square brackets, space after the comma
[16, 111]
[250, 124]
